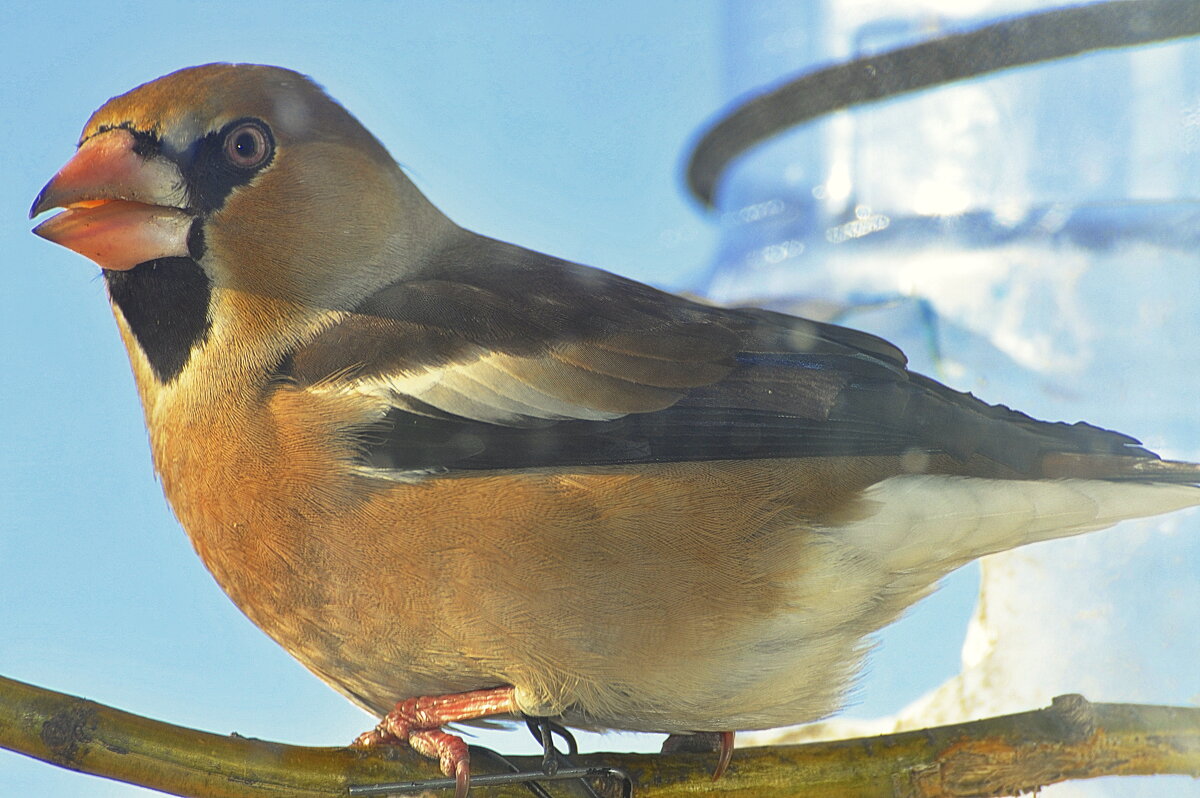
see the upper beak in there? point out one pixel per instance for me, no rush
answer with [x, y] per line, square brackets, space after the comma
[121, 208]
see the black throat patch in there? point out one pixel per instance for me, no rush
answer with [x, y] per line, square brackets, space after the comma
[165, 302]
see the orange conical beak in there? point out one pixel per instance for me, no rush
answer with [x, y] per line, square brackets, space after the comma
[121, 208]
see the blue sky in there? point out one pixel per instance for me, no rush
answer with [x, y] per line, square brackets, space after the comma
[558, 128]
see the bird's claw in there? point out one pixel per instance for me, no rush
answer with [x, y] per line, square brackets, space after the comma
[449, 750]
[555, 765]
[720, 743]
[530, 777]
[418, 722]
[725, 754]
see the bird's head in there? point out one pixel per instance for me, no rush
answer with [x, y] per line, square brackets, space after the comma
[234, 182]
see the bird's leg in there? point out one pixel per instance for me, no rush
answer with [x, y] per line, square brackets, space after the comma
[703, 742]
[419, 721]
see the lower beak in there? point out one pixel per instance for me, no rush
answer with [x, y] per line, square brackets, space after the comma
[119, 235]
[120, 206]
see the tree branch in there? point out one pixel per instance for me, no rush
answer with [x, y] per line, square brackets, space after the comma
[1072, 739]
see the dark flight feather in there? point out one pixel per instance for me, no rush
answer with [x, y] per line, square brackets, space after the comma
[686, 381]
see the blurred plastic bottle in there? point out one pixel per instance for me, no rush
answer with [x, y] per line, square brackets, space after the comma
[1031, 236]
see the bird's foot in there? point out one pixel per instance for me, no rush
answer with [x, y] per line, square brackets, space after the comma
[453, 754]
[720, 743]
[418, 722]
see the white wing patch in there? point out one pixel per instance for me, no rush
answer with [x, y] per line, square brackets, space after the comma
[494, 388]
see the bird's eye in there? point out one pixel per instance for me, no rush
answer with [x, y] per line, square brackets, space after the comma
[248, 145]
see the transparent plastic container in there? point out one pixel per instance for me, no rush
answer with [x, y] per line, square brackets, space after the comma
[1031, 236]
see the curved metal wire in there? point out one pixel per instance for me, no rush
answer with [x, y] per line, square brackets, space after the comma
[1019, 41]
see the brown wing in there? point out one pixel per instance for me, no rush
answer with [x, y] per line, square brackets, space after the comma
[493, 356]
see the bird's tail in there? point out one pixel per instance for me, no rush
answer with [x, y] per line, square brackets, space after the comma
[928, 525]
[1119, 468]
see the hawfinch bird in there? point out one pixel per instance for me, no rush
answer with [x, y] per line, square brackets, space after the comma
[456, 478]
